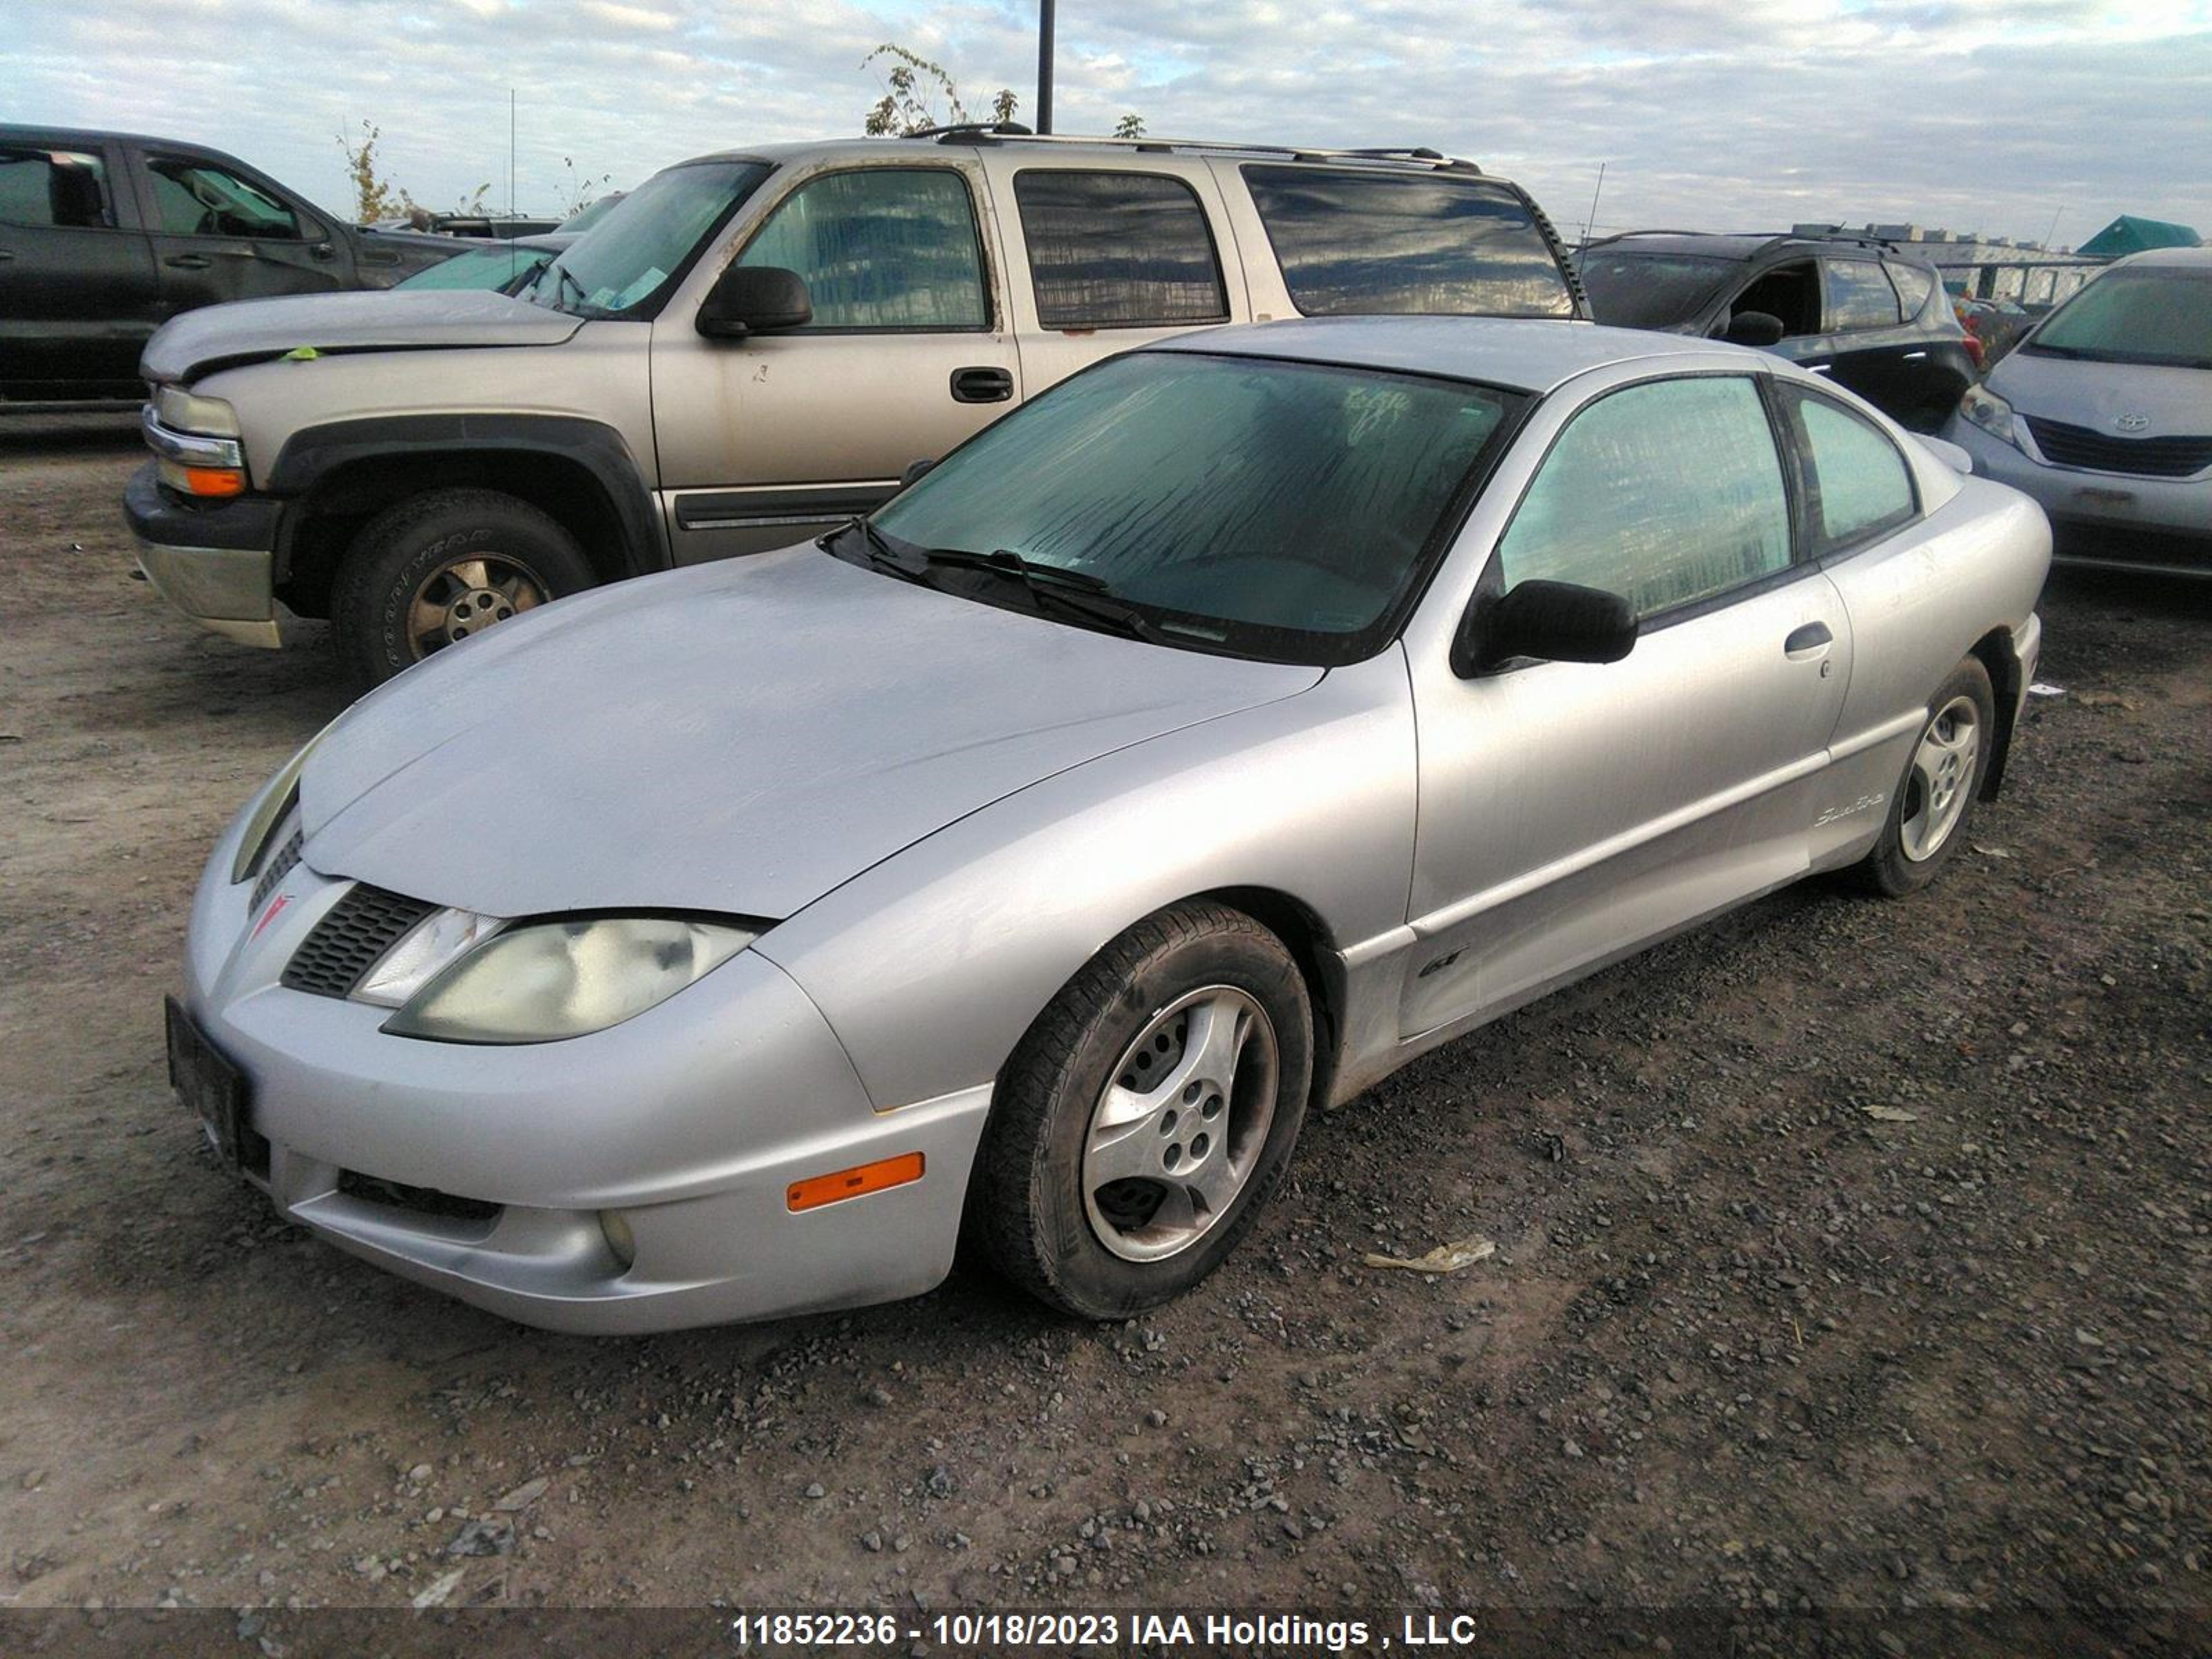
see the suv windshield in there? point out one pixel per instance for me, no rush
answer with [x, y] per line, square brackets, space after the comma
[1235, 504]
[626, 263]
[1650, 291]
[2142, 316]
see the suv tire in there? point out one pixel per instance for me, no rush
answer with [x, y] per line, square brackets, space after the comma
[440, 567]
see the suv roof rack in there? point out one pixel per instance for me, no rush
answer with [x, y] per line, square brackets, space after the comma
[1767, 238]
[1003, 131]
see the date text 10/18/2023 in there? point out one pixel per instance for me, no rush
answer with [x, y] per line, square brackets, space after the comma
[1281, 1633]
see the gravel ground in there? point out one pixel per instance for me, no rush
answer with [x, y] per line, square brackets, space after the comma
[1851, 1256]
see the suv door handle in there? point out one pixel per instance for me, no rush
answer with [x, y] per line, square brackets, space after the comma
[1914, 356]
[982, 386]
[1806, 641]
[188, 261]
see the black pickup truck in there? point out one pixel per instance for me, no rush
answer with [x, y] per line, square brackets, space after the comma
[104, 236]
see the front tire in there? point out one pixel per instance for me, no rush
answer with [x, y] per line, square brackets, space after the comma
[1147, 1114]
[1930, 809]
[441, 567]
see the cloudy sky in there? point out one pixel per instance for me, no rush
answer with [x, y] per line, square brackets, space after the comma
[1994, 115]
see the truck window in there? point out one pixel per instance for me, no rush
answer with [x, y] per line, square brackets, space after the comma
[1118, 250]
[197, 198]
[1376, 241]
[881, 248]
[58, 187]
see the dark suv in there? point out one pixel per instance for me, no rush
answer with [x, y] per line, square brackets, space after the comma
[1860, 311]
[106, 235]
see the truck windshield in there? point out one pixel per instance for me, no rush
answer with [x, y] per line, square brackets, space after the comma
[1239, 505]
[626, 265]
[2141, 316]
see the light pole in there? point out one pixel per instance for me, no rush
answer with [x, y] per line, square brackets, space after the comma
[1044, 66]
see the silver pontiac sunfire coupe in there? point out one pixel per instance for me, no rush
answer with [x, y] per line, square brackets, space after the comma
[1213, 735]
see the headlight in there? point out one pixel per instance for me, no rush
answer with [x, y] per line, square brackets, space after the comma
[277, 800]
[545, 980]
[180, 411]
[1985, 409]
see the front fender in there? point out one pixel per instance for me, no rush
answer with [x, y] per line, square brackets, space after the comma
[931, 965]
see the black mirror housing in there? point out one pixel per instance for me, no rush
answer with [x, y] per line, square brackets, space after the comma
[1551, 622]
[1753, 328]
[749, 299]
[915, 470]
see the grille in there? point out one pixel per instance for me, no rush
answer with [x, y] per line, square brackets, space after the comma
[287, 855]
[2142, 457]
[346, 943]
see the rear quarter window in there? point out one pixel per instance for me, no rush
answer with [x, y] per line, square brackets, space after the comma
[1404, 242]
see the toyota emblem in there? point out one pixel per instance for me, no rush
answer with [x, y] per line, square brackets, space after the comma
[2132, 422]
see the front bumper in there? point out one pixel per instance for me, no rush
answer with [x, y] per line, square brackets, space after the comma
[215, 563]
[2112, 518]
[690, 1122]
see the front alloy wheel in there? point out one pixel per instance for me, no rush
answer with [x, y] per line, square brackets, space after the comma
[1146, 1116]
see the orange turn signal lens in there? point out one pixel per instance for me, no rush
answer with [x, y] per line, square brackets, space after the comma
[818, 1190]
[203, 481]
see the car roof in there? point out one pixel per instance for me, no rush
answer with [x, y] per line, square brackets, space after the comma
[2184, 259]
[1521, 354]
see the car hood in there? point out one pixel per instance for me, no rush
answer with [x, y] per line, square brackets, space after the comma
[2173, 401]
[739, 738]
[248, 330]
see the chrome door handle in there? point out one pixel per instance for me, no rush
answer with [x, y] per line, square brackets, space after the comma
[1805, 642]
[1820, 368]
[1914, 356]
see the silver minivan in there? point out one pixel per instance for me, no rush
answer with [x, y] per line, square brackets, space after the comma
[748, 350]
[2104, 415]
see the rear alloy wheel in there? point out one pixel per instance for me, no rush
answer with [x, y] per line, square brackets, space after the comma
[1147, 1114]
[439, 569]
[1928, 812]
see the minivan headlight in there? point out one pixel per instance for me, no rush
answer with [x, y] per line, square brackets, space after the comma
[541, 982]
[1984, 409]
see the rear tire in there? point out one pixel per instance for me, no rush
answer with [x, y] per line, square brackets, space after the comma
[1147, 1114]
[441, 567]
[1934, 800]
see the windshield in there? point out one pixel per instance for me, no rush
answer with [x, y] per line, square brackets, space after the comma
[1237, 504]
[1650, 291]
[2140, 316]
[626, 263]
[481, 268]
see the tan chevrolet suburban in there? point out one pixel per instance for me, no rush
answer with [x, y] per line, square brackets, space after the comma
[751, 348]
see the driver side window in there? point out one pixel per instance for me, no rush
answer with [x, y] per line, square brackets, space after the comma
[1665, 493]
[197, 199]
[893, 249]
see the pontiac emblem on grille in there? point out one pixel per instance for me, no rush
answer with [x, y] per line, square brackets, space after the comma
[2132, 422]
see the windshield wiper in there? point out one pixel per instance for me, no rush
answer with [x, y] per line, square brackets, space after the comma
[1075, 594]
[879, 554]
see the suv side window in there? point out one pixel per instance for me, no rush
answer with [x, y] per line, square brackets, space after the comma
[197, 198]
[1914, 285]
[1118, 250]
[1666, 493]
[1859, 296]
[62, 188]
[1386, 241]
[894, 249]
[1857, 484]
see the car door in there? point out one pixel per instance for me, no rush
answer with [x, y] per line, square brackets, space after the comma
[220, 233]
[1571, 812]
[767, 440]
[1866, 330]
[78, 297]
[1108, 256]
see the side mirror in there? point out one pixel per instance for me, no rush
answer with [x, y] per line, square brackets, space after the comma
[1552, 621]
[1753, 328]
[748, 300]
[915, 471]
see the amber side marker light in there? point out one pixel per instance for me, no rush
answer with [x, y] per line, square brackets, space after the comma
[818, 1190]
[203, 481]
